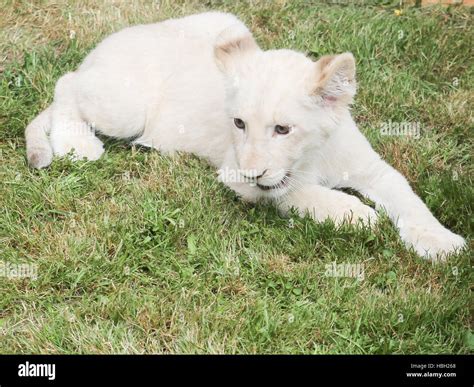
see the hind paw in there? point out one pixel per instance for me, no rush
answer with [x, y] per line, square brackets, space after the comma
[83, 147]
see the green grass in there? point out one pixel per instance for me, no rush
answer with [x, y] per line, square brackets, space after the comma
[139, 252]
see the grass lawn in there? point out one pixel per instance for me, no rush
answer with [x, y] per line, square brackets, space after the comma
[139, 252]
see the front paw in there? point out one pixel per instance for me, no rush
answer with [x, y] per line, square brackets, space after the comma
[357, 213]
[350, 209]
[433, 242]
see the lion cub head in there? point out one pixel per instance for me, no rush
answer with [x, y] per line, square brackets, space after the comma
[281, 105]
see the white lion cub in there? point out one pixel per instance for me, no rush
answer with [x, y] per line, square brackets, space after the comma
[276, 124]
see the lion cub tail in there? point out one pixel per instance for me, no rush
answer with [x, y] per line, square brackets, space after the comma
[38, 149]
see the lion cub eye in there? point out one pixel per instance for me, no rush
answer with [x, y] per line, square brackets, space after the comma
[280, 129]
[239, 123]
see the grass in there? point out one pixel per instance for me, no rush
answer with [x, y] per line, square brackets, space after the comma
[138, 252]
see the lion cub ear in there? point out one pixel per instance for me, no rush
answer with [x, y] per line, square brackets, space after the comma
[233, 44]
[335, 82]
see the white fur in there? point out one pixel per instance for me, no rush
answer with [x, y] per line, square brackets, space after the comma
[179, 84]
